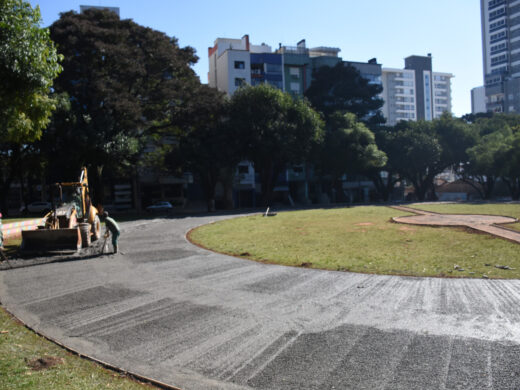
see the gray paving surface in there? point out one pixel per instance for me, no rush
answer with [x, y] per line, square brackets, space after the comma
[198, 320]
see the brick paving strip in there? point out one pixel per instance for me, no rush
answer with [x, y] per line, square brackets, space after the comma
[484, 223]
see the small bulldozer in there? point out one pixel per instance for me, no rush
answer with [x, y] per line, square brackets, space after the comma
[71, 225]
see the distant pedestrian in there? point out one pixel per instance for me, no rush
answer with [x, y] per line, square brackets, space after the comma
[111, 226]
[2, 254]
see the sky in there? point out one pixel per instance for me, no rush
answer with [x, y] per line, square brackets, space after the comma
[386, 30]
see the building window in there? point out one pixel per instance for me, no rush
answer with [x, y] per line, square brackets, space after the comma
[497, 25]
[257, 68]
[498, 36]
[499, 59]
[295, 72]
[497, 13]
[499, 47]
[239, 81]
[295, 87]
[273, 68]
[240, 65]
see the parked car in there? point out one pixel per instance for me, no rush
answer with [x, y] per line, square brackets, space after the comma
[160, 206]
[37, 207]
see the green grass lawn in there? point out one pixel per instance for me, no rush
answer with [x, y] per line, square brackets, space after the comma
[20, 350]
[505, 209]
[362, 239]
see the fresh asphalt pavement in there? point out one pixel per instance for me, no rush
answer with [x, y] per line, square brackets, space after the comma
[169, 310]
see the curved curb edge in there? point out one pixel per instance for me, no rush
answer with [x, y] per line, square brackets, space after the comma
[133, 375]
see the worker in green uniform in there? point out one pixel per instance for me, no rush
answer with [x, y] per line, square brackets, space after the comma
[111, 227]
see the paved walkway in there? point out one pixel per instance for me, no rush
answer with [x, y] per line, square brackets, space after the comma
[484, 223]
[200, 320]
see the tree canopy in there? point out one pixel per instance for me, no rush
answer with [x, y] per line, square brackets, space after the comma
[28, 65]
[342, 88]
[273, 130]
[349, 148]
[124, 80]
[209, 147]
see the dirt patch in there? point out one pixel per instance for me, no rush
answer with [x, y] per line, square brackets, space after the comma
[306, 265]
[364, 224]
[43, 363]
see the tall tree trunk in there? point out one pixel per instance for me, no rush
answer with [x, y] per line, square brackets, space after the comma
[227, 176]
[8, 177]
[513, 185]
[208, 186]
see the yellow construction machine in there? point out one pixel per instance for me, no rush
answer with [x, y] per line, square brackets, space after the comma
[73, 224]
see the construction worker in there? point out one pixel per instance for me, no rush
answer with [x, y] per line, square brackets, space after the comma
[111, 227]
[2, 254]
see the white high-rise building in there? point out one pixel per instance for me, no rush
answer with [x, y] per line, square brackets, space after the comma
[415, 92]
[399, 95]
[501, 54]
[478, 100]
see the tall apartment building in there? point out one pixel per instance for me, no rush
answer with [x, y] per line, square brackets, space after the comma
[478, 100]
[399, 95]
[501, 54]
[415, 92]
[233, 62]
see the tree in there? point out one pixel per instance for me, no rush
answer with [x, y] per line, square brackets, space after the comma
[349, 148]
[273, 130]
[483, 166]
[124, 82]
[342, 88]
[28, 65]
[511, 160]
[209, 147]
[420, 158]
[455, 137]
[427, 148]
[385, 177]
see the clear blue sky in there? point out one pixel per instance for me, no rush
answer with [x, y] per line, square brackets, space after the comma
[387, 30]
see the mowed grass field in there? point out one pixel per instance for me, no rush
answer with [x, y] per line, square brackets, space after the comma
[363, 239]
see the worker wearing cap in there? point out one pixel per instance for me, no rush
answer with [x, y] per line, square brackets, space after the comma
[111, 227]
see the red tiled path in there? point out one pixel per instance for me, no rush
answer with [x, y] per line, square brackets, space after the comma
[484, 223]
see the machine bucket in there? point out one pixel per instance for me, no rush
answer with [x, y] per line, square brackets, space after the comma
[45, 240]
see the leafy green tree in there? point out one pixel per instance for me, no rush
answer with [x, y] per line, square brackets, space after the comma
[385, 177]
[511, 160]
[349, 148]
[420, 158]
[273, 130]
[342, 88]
[485, 159]
[209, 148]
[125, 81]
[28, 65]
[427, 148]
[455, 137]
